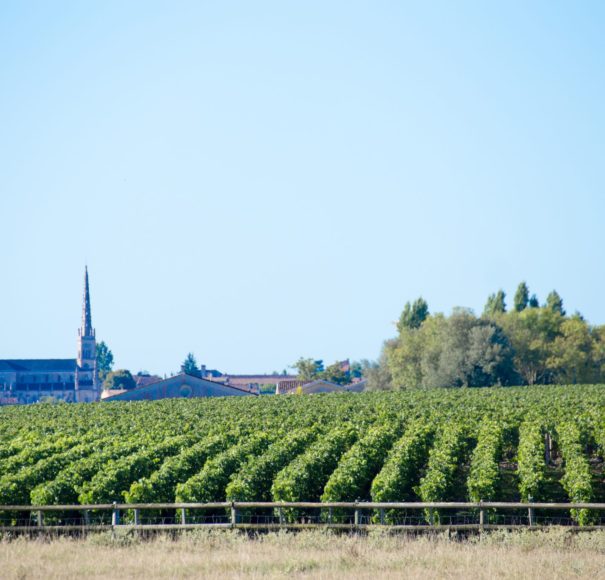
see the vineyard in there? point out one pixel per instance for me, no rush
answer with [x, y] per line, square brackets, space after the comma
[500, 444]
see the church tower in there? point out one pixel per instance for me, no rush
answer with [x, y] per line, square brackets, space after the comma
[86, 370]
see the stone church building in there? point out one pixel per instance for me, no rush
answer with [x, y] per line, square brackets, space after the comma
[72, 380]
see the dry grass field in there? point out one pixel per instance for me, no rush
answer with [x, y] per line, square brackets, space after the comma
[554, 554]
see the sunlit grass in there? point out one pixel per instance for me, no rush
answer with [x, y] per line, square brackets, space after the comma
[224, 554]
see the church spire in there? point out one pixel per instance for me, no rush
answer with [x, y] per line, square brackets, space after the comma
[87, 379]
[86, 317]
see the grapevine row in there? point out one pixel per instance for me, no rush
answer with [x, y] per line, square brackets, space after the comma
[305, 477]
[160, 486]
[444, 459]
[253, 481]
[530, 460]
[576, 480]
[327, 447]
[484, 472]
[115, 478]
[210, 483]
[359, 465]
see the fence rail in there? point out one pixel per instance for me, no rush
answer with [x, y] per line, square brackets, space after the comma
[412, 516]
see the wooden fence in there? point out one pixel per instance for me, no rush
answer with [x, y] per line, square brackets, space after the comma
[412, 516]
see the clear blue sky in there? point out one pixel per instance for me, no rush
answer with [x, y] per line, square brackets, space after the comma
[260, 181]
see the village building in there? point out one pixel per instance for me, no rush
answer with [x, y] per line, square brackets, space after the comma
[181, 386]
[288, 386]
[246, 381]
[142, 379]
[318, 386]
[71, 380]
[24, 381]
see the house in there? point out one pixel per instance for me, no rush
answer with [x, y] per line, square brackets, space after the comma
[289, 385]
[249, 381]
[321, 386]
[144, 379]
[181, 386]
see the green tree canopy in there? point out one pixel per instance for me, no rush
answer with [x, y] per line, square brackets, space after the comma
[571, 356]
[120, 379]
[357, 368]
[531, 344]
[335, 374]
[414, 314]
[473, 353]
[308, 369]
[555, 303]
[521, 299]
[378, 374]
[104, 360]
[189, 365]
[495, 304]
[456, 351]
[528, 345]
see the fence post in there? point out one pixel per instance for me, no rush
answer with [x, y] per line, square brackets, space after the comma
[183, 516]
[382, 516]
[86, 518]
[357, 514]
[530, 512]
[481, 515]
[40, 518]
[431, 517]
[280, 513]
[136, 517]
[330, 515]
[233, 515]
[115, 515]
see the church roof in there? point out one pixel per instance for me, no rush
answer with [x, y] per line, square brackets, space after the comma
[38, 365]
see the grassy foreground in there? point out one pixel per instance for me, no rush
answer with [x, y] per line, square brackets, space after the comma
[553, 554]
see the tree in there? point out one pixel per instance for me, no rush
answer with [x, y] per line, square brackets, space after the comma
[489, 359]
[189, 365]
[598, 353]
[571, 355]
[414, 314]
[104, 360]
[532, 333]
[555, 303]
[308, 368]
[529, 345]
[495, 304]
[521, 299]
[357, 368]
[335, 374]
[474, 353]
[412, 355]
[459, 351]
[447, 367]
[378, 374]
[120, 379]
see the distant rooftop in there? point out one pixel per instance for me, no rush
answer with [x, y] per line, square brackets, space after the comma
[38, 365]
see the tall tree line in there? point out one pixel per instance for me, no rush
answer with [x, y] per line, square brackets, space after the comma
[531, 343]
